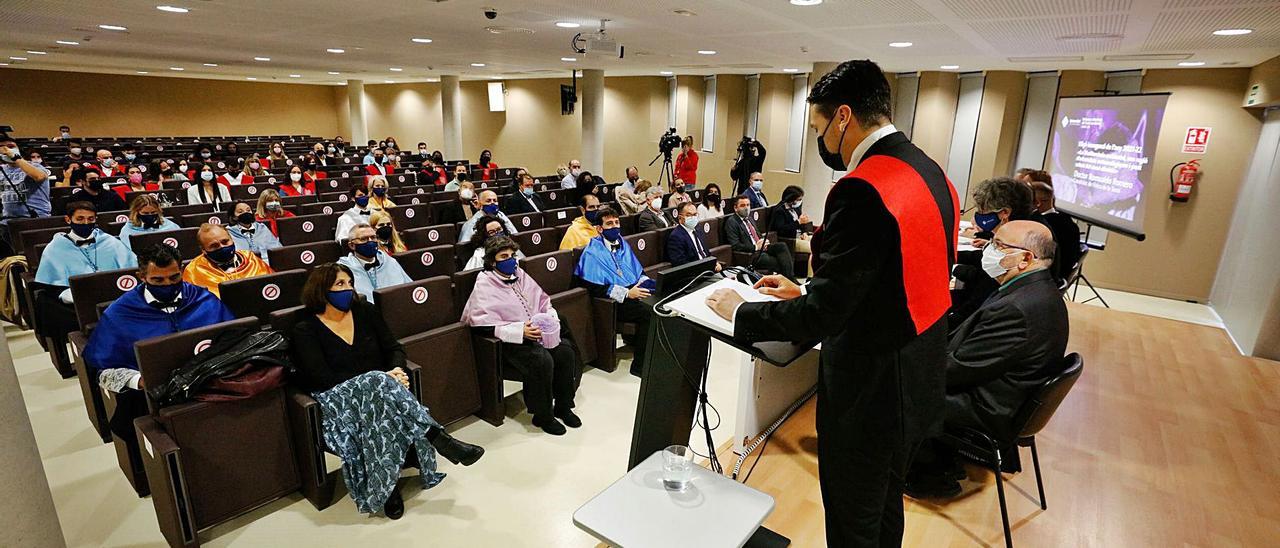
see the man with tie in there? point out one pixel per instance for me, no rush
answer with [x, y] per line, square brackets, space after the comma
[743, 237]
[755, 192]
[685, 244]
[524, 199]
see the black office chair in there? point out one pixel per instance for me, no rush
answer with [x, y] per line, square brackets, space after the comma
[985, 450]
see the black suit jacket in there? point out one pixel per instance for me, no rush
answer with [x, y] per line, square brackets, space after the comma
[517, 204]
[680, 247]
[781, 221]
[455, 213]
[1067, 237]
[736, 233]
[649, 220]
[1007, 349]
[888, 233]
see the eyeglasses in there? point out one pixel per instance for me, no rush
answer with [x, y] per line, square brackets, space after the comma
[361, 239]
[1001, 246]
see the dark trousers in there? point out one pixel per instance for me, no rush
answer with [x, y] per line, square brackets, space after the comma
[550, 375]
[130, 405]
[639, 313]
[777, 258]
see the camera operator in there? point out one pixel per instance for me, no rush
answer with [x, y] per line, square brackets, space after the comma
[25, 188]
[687, 162]
[750, 160]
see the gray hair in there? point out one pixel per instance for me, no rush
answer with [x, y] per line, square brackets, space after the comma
[1001, 192]
[351, 233]
[1042, 245]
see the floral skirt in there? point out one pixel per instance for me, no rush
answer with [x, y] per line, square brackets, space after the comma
[369, 422]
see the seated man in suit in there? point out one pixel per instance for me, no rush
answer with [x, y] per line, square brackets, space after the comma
[996, 201]
[485, 203]
[999, 356]
[652, 217]
[220, 261]
[755, 192]
[161, 305]
[609, 269]
[371, 268]
[1066, 234]
[458, 210]
[686, 244]
[582, 229]
[524, 199]
[743, 237]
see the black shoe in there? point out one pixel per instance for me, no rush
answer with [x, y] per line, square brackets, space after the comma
[637, 368]
[394, 507]
[549, 425]
[457, 451]
[931, 487]
[568, 418]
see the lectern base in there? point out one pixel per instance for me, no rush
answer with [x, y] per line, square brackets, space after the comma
[765, 538]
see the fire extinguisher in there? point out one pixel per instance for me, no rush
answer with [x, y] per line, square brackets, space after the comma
[1180, 186]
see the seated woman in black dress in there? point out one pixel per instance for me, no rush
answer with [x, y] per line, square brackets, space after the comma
[347, 359]
[786, 218]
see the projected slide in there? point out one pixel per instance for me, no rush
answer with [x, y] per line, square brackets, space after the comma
[1101, 158]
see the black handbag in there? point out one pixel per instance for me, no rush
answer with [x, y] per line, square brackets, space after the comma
[227, 354]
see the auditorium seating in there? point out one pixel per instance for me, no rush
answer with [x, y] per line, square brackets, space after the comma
[306, 255]
[90, 293]
[261, 295]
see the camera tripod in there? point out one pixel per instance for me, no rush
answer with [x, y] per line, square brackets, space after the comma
[667, 171]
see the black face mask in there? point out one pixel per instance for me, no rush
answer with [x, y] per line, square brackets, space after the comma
[833, 160]
[245, 218]
[384, 232]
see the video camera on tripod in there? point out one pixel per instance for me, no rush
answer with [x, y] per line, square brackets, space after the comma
[669, 141]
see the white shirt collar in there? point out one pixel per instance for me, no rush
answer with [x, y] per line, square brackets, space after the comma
[865, 145]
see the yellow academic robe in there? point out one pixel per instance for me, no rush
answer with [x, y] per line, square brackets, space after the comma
[579, 233]
[200, 271]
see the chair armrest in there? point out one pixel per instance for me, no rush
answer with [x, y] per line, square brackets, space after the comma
[605, 316]
[162, 458]
[305, 425]
[414, 371]
[488, 353]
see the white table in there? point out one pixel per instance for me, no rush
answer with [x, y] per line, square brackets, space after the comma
[637, 512]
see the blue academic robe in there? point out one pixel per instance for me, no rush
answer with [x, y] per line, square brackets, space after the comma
[260, 242]
[62, 259]
[600, 266]
[386, 274]
[129, 230]
[130, 319]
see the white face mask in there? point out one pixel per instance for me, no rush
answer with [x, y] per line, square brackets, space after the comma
[656, 203]
[466, 194]
[254, 166]
[76, 150]
[576, 171]
[295, 177]
[991, 258]
[206, 175]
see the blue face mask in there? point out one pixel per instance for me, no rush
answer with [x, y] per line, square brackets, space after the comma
[506, 266]
[222, 255]
[758, 185]
[379, 191]
[362, 201]
[612, 234]
[986, 221]
[165, 293]
[690, 222]
[83, 230]
[592, 216]
[527, 191]
[367, 249]
[490, 209]
[341, 300]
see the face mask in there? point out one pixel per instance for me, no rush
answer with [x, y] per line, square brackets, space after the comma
[757, 185]
[423, 152]
[461, 177]
[245, 218]
[576, 171]
[991, 258]
[150, 221]
[384, 232]
[833, 160]
[76, 150]
[612, 234]
[713, 198]
[222, 255]
[131, 157]
[272, 206]
[66, 135]
[986, 221]
[276, 150]
[393, 158]
[362, 201]
[332, 150]
[690, 222]
[490, 209]
[206, 155]
[341, 300]
[742, 211]
[378, 159]
[106, 162]
[206, 175]
[527, 191]
[295, 177]
[135, 178]
[484, 159]
[379, 191]
[255, 166]
[367, 249]
[165, 293]
[797, 204]
[656, 203]
[83, 230]
[592, 216]
[466, 194]
[182, 167]
[506, 266]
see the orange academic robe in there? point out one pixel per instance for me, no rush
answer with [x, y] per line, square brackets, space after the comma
[205, 274]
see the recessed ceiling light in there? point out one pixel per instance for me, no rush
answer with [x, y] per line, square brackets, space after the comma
[706, 52]
[295, 76]
[567, 25]
[790, 70]
[333, 73]
[477, 65]
[568, 59]
[949, 67]
[421, 40]
[172, 9]
[18, 58]
[210, 64]
[4, 64]
[336, 50]
[143, 72]
[900, 44]
[261, 58]
[1191, 64]
[67, 42]
[395, 69]
[1232, 32]
[177, 68]
[250, 78]
[433, 79]
[805, 2]
[666, 73]
[112, 27]
[388, 81]
[33, 52]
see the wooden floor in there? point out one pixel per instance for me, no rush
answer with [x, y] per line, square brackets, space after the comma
[1170, 438]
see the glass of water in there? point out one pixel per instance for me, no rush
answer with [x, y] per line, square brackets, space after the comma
[677, 467]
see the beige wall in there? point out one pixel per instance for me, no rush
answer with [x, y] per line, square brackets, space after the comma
[936, 114]
[1266, 77]
[1003, 95]
[408, 112]
[37, 102]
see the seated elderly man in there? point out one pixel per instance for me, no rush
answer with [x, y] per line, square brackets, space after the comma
[582, 229]
[371, 268]
[996, 201]
[609, 269]
[486, 203]
[220, 261]
[999, 356]
[162, 304]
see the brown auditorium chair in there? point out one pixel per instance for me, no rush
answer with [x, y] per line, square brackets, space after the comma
[306, 228]
[711, 234]
[206, 462]
[334, 184]
[185, 239]
[171, 196]
[176, 211]
[427, 262]
[428, 236]
[629, 224]
[18, 226]
[560, 217]
[760, 216]
[406, 216]
[306, 255]
[537, 242]
[463, 282]
[526, 221]
[296, 202]
[194, 220]
[261, 295]
[402, 179]
[422, 316]
[328, 208]
[556, 199]
[92, 292]
[249, 193]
